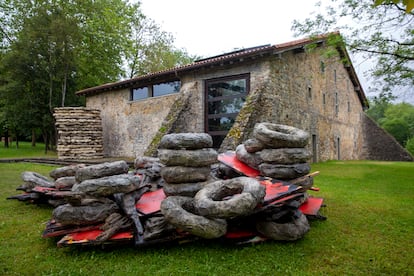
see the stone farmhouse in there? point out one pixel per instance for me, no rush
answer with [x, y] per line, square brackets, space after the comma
[316, 90]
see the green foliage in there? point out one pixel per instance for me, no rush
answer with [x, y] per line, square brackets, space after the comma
[382, 32]
[378, 105]
[399, 121]
[49, 49]
[152, 49]
[409, 145]
[409, 4]
[368, 232]
[398, 128]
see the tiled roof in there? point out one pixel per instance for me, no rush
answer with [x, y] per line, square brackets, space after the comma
[238, 55]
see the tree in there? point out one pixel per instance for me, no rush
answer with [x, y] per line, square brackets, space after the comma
[152, 49]
[378, 105]
[383, 32]
[399, 121]
[409, 4]
[410, 145]
[50, 49]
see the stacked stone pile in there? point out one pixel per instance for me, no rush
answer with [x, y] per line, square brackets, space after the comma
[79, 133]
[187, 158]
[277, 151]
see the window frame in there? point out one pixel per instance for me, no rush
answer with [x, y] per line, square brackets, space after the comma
[150, 88]
[233, 115]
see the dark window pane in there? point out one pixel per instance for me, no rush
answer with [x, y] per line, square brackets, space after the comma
[217, 140]
[218, 124]
[226, 88]
[226, 106]
[225, 98]
[139, 93]
[166, 88]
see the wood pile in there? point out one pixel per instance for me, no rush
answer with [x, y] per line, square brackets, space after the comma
[79, 133]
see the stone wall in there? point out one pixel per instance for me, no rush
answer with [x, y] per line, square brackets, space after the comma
[129, 126]
[79, 133]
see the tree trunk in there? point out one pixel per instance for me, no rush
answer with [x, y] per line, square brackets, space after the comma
[33, 137]
[46, 139]
[17, 137]
[64, 86]
[6, 138]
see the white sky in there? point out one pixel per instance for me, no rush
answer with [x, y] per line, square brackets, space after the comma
[211, 27]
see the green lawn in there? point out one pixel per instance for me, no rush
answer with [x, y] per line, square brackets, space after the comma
[25, 150]
[369, 231]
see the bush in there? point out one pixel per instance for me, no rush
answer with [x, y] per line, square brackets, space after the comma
[410, 145]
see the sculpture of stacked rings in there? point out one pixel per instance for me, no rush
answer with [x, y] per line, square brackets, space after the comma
[280, 136]
[178, 211]
[229, 198]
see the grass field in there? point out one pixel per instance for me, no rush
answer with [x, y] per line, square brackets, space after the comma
[369, 231]
[25, 150]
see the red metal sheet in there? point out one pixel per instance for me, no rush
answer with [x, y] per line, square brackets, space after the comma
[40, 189]
[150, 202]
[229, 158]
[237, 234]
[311, 206]
[87, 237]
[93, 234]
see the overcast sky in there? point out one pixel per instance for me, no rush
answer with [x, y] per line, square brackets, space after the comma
[210, 27]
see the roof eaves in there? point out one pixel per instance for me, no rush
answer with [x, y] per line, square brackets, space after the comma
[218, 60]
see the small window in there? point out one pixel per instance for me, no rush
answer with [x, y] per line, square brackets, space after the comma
[166, 88]
[324, 98]
[322, 67]
[335, 76]
[336, 104]
[309, 92]
[139, 93]
[155, 90]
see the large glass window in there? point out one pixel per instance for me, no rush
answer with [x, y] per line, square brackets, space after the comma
[155, 90]
[224, 99]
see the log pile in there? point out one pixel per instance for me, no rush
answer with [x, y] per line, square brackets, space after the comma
[79, 133]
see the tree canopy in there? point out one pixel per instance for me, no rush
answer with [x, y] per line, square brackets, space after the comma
[50, 49]
[381, 30]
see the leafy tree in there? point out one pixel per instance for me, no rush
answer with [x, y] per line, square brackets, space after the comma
[383, 32]
[398, 128]
[399, 121]
[51, 48]
[378, 105]
[409, 4]
[152, 49]
[410, 145]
